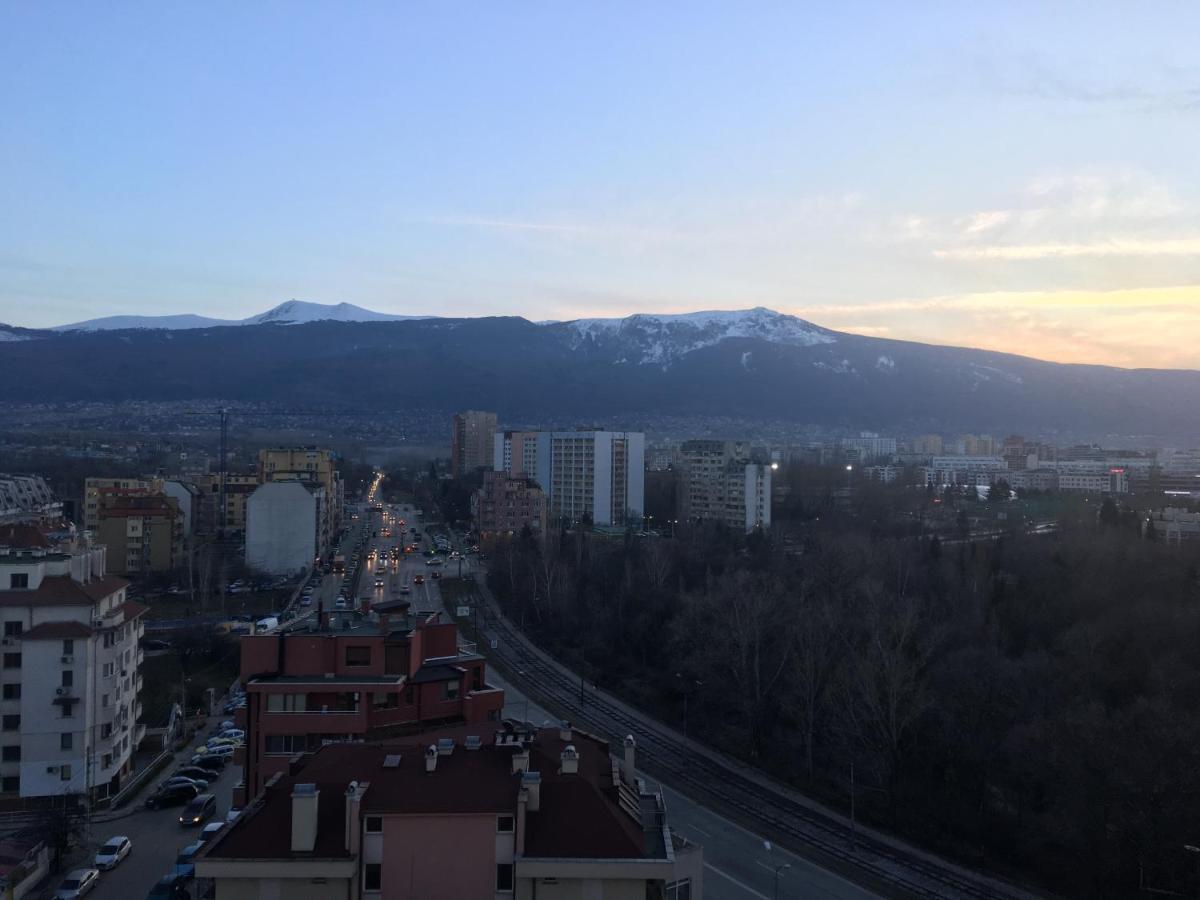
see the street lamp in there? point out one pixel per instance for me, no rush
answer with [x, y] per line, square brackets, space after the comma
[776, 868]
[696, 683]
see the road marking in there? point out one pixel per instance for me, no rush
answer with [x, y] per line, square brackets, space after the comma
[745, 887]
[695, 827]
[770, 869]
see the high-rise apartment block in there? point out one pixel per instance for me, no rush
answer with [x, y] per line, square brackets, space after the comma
[587, 475]
[869, 446]
[720, 483]
[474, 812]
[69, 682]
[143, 532]
[471, 436]
[507, 504]
[93, 488]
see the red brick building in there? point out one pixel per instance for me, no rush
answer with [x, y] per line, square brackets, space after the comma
[506, 504]
[342, 676]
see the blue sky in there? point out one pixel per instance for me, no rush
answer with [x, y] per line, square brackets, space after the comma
[1020, 177]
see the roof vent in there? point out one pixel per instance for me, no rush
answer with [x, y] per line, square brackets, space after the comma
[391, 761]
[445, 746]
[564, 730]
[531, 783]
[431, 755]
[472, 742]
[569, 760]
[520, 760]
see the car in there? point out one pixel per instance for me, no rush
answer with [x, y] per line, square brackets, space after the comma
[112, 852]
[340, 603]
[221, 740]
[209, 831]
[185, 867]
[201, 784]
[436, 561]
[77, 884]
[199, 809]
[437, 574]
[217, 750]
[169, 887]
[306, 601]
[194, 772]
[209, 761]
[174, 795]
[231, 731]
[378, 582]
[454, 554]
[418, 579]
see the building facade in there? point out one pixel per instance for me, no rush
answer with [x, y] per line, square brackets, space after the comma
[143, 532]
[70, 679]
[472, 434]
[596, 476]
[480, 813]
[507, 504]
[311, 464]
[345, 676]
[27, 498]
[287, 526]
[93, 488]
[719, 483]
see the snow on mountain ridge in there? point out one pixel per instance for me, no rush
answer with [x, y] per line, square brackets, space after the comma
[290, 312]
[664, 338]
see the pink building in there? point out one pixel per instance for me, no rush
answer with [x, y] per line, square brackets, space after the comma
[342, 676]
[462, 813]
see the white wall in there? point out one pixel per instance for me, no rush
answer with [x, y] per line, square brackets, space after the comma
[281, 527]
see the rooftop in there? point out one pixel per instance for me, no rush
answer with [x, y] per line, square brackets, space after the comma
[63, 590]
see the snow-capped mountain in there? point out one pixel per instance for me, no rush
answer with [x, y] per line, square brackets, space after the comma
[292, 312]
[662, 339]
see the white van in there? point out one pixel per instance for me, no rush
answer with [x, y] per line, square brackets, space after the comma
[267, 624]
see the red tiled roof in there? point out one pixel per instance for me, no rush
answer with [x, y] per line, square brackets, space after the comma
[24, 537]
[63, 590]
[132, 609]
[51, 631]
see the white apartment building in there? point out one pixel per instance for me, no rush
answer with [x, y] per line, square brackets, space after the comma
[286, 526]
[869, 445]
[69, 669]
[598, 475]
[27, 498]
[971, 470]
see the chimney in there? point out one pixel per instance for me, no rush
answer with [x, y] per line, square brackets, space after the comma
[531, 784]
[569, 760]
[431, 756]
[564, 731]
[354, 795]
[627, 770]
[520, 760]
[304, 817]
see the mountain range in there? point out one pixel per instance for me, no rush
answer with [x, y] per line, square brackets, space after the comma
[292, 312]
[751, 364]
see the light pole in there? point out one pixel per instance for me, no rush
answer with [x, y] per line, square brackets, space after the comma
[1193, 849]
[686, 693]
[776, 868]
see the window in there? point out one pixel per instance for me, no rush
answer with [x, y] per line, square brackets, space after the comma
[358, 656]
[374, 824]
[504, 877]
[11, 784]
[11, 753]
[64, 772]
[12, 629]
[104, 700]
[12, 692]
[286, 743]
[68, 709]
[504, 824]
[106, 730]
[68, 678]
[66, 741]
[18, 580]
[68, 647]
[451, 690]
[12, 660]
[373, 877]
[106, 761]
[679, 890]
[107, 670]
[12, 723]
[286, 702]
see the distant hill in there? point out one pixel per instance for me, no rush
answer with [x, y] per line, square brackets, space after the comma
[749, 364]
[293, 312]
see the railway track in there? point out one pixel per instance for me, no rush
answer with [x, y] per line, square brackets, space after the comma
[805, 830]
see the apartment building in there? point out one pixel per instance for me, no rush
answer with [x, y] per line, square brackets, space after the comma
[93, 488]
[473, 812]
[587, 475]
[27, 498]
[928, 445]
[719, 483]
[472, 434]
[287, 526]
[348, 676]
[310, 464]
[969, 470]
[70, 679]
[143, 532]
[869, 446]
[1175, 524]
[507, 504]
[238, 488]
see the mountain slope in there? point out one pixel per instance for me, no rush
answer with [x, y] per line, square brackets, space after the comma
[752, 365]
[291, 312]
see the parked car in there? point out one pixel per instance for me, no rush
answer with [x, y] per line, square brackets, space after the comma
[169, 887]
[437, 574]
[185, 867]
[112, 852]
[174, 795]
[77, 884]
[200, 784]
[217, 750]
[209, 831]
[200, 809]
[194, 772]
[233, 733]
[435, 561]
[340, 603]
[209, 761]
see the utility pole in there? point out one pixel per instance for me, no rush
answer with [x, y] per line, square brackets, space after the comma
[853, 822]
[222, 466]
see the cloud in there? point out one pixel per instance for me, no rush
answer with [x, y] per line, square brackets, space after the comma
[1187, 246]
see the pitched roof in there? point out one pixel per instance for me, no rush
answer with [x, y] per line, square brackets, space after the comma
[63, 590]
[23, 537]
[132, 609]
[48, 631]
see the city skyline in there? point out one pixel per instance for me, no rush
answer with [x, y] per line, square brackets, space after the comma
[1016, 180]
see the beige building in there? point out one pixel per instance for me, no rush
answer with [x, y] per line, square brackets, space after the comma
[305, 464]
[143, 532]
[471, 436]
[719, 483]
[94, 487]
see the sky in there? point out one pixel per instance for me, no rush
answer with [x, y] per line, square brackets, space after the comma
[1014, 176]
